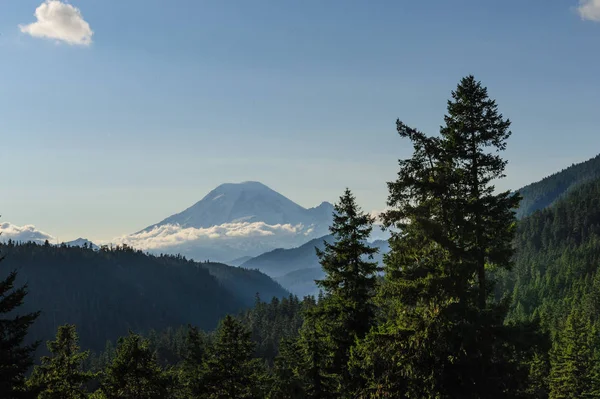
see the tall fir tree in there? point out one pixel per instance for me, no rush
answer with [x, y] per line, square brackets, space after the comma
[61, 375]
[449, 229]
[287, 372]
[572, 359]
[349, 285]
[316, 358]
[192, 368]
[134, 372]
[231, 370]
[16, 357]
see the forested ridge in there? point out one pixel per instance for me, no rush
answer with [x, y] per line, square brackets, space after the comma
[107, 292]
[544, 193]
[472, 303]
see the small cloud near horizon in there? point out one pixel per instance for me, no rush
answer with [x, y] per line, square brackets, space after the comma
[59, 21]
[589, 10]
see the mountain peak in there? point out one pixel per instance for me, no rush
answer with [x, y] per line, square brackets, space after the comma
[248, 201]
[242, 185]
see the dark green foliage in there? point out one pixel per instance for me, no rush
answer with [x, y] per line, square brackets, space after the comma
[271, 322]
[288, 372]
[231, 370]
[61, 375]
[546, 192]
[15, 356]
[572, 360]
[347, 311]
[135, 373]
[192, 370]
[558, 258]
[244, 283]
[446, 336]
[316, 358]
[85, 287]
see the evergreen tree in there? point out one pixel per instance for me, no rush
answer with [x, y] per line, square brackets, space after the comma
[449, 229]
[539, 370]
[192, 368]
[134, 372]
[572, 366]
[61, 375]
[594, 374]
[287, 372]
[349, 284]
[231, 371]
[315, 355]
[15, 357]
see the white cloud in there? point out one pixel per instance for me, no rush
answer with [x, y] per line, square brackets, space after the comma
[589, 10]
[59, 21]
[171, 235]
[23, 233]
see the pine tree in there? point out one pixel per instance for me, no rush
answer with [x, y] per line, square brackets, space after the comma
[134, 372]
[61, 375]
[287, 372]
[231, 371]
[15, 357]
[473, 136]
[539, 370]
[315, 355]
[572, 360]
[349, 284]
[449, 229]
[593, 390]
[192, 369]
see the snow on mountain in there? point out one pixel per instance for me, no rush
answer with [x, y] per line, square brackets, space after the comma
[80, 242]
[233, 221]
[27, 233]
[246, 202]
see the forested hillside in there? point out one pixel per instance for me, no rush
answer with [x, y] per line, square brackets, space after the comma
[544, 193]
[558, 259]
[107, 292]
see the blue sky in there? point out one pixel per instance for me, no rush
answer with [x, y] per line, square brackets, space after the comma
[118, 129]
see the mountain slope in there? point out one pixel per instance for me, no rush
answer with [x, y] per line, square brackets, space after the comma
[81, 242]
[280, 262]
[106, 293]
[234, 221]
[558, 259]
[544, 193]
[297, 268]
[245, 202]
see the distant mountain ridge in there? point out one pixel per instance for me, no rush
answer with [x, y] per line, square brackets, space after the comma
[542, 194]
[297, 268]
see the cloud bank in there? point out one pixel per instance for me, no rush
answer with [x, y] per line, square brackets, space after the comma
[23, 233]
[589, 10]
[172, 235]
[59, 21]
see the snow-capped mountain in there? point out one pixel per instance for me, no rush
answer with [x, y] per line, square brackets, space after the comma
[233, 221]
[80, 242]
[247, 202]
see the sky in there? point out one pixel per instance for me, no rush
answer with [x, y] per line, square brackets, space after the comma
[116, 114]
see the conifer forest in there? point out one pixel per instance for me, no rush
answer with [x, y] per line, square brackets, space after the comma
[483, 294]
